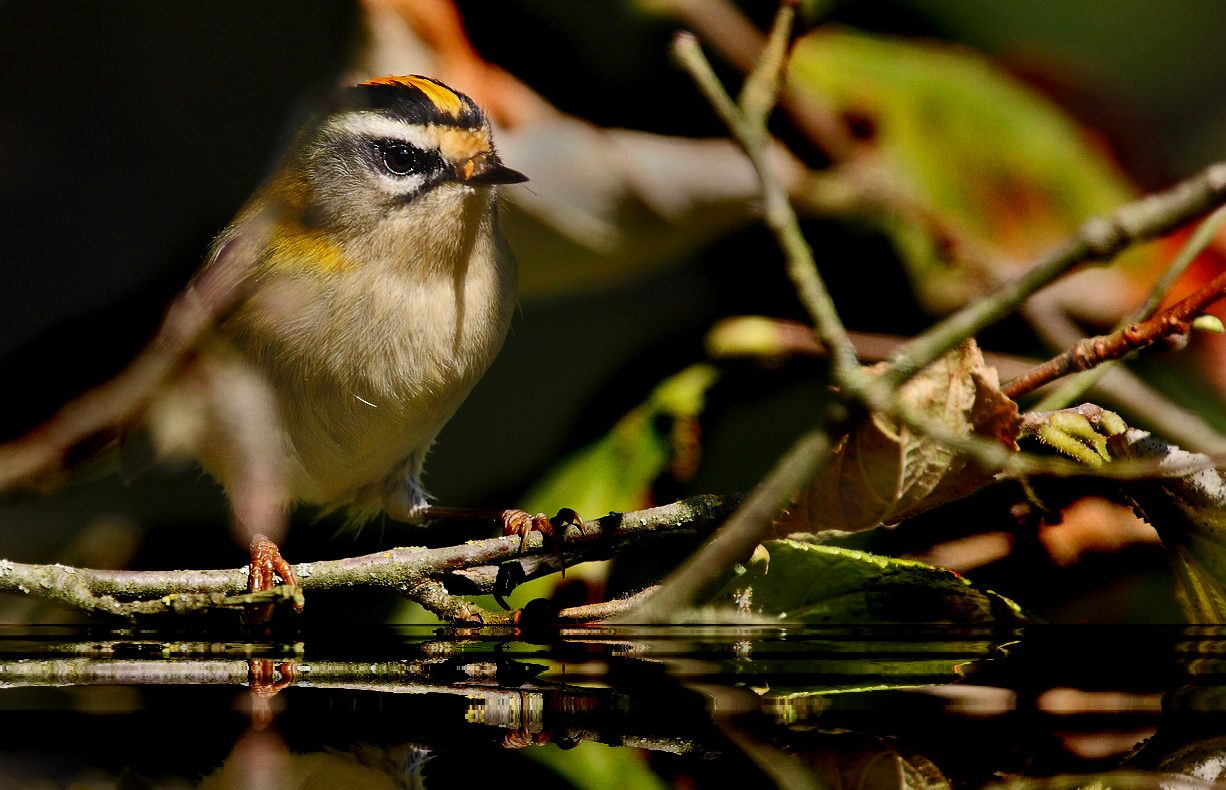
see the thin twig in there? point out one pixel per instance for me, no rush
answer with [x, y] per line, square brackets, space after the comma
[776, 339]
[1075, 387]
[1122, 388]
[732, 35]
[778, 214]
[1098, 240]
[1093, 351]
[735, 540]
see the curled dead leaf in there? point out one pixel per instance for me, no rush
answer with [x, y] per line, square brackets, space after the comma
[883, 472]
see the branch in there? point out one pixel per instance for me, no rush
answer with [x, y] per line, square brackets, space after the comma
[1099, 240]
[431, 577]
[747, 124]
[1093, 351]
[1075, 388]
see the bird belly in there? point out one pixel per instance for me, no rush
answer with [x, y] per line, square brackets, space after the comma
[367, 370]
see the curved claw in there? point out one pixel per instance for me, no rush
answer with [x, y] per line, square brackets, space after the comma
[519, 522]
[565, 517]
[266, 565]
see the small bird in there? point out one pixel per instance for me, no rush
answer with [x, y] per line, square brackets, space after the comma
[377, 291]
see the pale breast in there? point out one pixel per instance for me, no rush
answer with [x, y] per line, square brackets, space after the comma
[370, 363]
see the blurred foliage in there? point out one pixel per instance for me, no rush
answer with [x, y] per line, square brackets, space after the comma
[980, 162]
[617, 472]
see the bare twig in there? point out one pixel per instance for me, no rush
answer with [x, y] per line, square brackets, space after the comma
[735, 540]
[772, 339]
[606, 610]
[1098, 240]
[732, 35]
[750, 133]
[1075, 387]
[1121, 388]
[856, 176]
[1093, 351]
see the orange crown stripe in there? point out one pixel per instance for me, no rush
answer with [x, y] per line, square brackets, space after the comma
[440, 95]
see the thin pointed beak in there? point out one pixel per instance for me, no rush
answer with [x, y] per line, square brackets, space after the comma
[478, 172]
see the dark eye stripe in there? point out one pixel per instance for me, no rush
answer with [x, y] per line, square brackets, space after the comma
[401, 159]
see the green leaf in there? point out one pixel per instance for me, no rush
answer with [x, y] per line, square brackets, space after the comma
[976, 159]
[814, 584]
[617, 472]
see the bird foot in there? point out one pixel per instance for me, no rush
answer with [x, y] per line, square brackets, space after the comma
[266, 565]
[522, 523]
[518, 522]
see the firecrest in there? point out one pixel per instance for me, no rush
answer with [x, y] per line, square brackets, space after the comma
[379, 290]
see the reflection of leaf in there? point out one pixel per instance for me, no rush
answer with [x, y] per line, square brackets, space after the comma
[1105, 780]
[596, 766]
[617, 472]
[813, 584]
[853, 760]
[883, 473]
[1189, 514]
[793, 677]
[966, 147]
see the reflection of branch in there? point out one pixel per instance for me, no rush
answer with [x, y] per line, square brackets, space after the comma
[515, 711]
[432, 577]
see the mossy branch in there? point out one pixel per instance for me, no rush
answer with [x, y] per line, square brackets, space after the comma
[433, 577]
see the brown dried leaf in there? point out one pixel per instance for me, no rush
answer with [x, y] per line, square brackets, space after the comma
[883, 473]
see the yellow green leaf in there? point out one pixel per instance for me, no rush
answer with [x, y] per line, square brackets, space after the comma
[811, 583]
[975, 157]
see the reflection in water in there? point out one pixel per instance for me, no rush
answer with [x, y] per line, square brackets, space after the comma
[690, 707]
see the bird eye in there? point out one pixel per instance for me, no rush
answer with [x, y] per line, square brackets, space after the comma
[401, 159]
